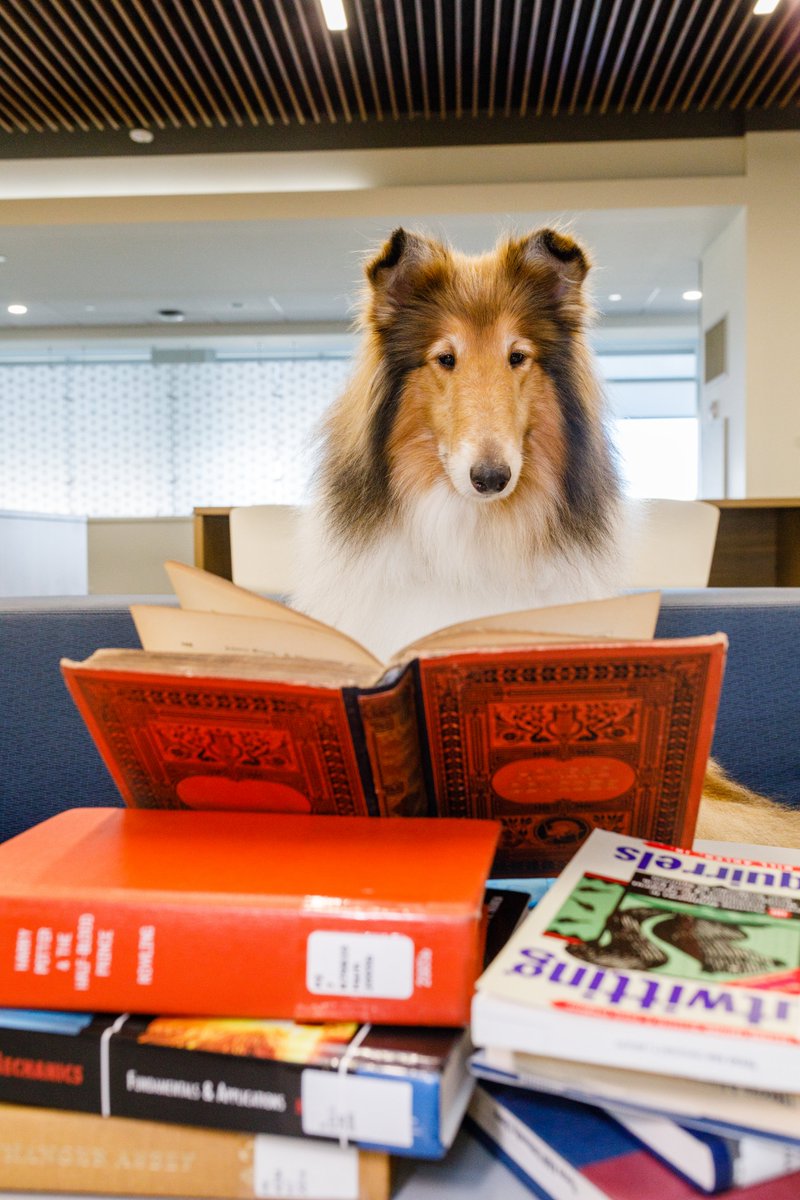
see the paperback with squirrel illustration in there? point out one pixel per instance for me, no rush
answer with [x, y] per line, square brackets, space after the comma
[651, 958]
[551, 721]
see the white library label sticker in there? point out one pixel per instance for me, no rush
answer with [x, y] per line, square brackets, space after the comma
[303, 1170]
[360, 964]
[356, 1108]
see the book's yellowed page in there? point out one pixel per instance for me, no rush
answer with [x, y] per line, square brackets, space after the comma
[618, 618]
[202, 591]
[315, 672]
[177, 630]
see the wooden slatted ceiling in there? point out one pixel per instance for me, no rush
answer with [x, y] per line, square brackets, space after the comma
[80, 67]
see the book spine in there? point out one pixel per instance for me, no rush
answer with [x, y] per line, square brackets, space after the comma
[222, 1091]
[390, 737]
[82, 1152]
[525, 1154]
[49, 1070]
[237, 959]
[118, 1075]
[437, 803]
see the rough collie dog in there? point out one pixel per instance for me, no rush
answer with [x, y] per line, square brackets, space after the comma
[467, 469]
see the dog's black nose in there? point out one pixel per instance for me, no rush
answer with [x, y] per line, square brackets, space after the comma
[488, 477]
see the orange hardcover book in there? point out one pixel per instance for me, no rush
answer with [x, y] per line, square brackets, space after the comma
[552, 721]
[245, 914]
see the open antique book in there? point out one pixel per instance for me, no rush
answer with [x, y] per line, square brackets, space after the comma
[217, 617]
[550, 720]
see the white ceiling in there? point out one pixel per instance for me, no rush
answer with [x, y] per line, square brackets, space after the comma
[269, 273]
[80, 276]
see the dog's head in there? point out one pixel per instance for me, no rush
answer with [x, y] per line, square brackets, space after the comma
[474, 354]
[475, 384]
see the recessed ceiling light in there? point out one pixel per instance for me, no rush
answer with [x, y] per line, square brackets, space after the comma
[17, 310]
[333, 12]
[615, 296]
[171, 314]
[142, 136]
[765, 6]
[2, 258]
[693, 294]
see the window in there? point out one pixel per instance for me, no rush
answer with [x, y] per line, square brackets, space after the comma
[653, 400]
[127, 435]
[136, 439]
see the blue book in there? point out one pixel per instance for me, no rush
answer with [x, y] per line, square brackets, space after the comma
[402, 1090]
[714, 1162]
[564, 1150]
[713, 1153]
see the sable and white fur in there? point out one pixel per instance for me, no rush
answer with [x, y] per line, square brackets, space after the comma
[467, 470]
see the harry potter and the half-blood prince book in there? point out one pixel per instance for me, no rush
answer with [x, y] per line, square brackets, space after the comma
[551, 721]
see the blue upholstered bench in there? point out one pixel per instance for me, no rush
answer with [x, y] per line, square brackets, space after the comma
[48, 761]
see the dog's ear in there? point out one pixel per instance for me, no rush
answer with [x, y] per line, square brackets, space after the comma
[557, 252]
[399, 267]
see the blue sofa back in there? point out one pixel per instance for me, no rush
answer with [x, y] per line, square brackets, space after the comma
[48, 761]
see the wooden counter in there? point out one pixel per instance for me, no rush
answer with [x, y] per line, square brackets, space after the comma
[212, 540]
[758, 543]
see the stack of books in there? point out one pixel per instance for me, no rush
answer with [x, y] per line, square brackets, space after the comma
[362, 939]
[639, 1034]
[261, 989]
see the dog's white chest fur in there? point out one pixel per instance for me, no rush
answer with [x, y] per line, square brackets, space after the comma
[443, 560]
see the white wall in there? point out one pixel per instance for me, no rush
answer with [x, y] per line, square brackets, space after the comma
[42, 555]
[723, 441]
[773, 314]
[750, 274]
[126, 557]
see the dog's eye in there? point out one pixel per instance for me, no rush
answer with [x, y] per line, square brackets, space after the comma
[516, 358]
[448, 361]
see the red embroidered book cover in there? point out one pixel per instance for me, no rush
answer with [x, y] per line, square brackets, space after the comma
[199, 742]
[551, 740]
[246, 915]
[558, 742]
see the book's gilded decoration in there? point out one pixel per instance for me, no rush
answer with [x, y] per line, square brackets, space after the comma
[219, 746]
[176, 744]
[566, 723]
[557, 748]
